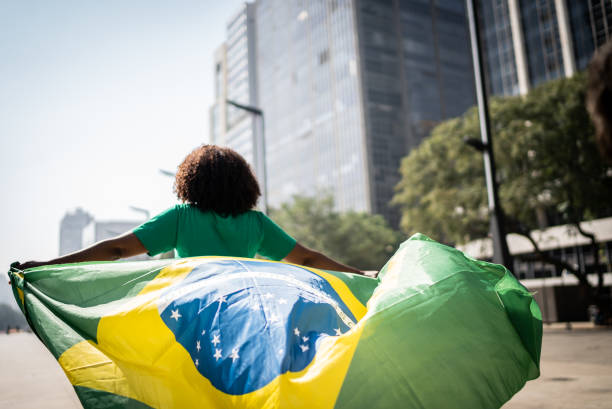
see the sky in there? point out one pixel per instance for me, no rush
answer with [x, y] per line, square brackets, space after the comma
[95, 98]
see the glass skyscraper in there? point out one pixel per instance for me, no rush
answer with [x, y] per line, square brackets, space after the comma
[235, 79]
[496, 36]
[309, 89]
[528, 42]
[348, 87]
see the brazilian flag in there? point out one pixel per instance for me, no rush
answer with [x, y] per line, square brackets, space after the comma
[436, 329]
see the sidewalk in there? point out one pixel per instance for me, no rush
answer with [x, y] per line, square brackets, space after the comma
[576, 370]
[576, 373]
[30, 378]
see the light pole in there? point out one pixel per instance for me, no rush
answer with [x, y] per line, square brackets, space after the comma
[167, 173]
[501, 254]
[146, 213]
[259, 147]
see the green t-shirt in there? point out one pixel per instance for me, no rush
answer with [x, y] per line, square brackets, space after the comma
[193, 232]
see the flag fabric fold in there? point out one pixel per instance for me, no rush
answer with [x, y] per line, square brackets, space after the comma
[436, 329]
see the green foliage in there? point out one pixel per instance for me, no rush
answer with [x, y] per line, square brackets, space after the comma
[359, 239]
[547, 163]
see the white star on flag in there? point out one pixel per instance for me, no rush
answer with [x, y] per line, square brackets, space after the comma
[198, 345]
[296, 332]
[175, 314]
[274, 318]
[304, 348]
[222, 299]
[281, 351]
[268, 295]
[234, 354]
[215, 340]
[203, 332]
[282, 301]
[305, 339]
[338, 332]
[217, 354]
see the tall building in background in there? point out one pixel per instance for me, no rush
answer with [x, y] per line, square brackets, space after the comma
[236, 79]
[71, 230]
[349, 87]
[218, 111]
[311, 95]
[528, 42]
[79, 229]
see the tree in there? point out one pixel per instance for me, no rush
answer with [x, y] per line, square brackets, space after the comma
[548, 167]
[356, 238]
[11, 318]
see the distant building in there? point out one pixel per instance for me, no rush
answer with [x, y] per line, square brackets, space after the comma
[347, 87]
[529, 42]
[96, 231]
[563, 242]
[79, 229]
[236, 80]
[71, 230]
[557, 291]
[218, 111]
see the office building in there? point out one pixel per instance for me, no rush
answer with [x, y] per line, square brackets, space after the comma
[349, 87]
[528, 42]
[79, 229]
[218, 111]
[235, 79]
[71, 230]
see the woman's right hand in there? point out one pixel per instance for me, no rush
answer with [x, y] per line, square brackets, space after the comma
[29, 264]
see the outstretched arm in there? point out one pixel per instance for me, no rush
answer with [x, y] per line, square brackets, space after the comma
[311, 258]
[126, 245]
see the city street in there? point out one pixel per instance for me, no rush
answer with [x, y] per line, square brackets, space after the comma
[576, 373]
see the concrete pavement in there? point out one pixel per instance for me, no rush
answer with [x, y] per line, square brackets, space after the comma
[576, 373]
[30, 378]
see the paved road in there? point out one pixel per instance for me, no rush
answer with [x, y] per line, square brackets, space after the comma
[576, 374]
[30, 378]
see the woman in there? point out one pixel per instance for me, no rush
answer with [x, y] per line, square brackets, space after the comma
[218, 191]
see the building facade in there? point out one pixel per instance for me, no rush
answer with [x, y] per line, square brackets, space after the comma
[218, 111]
[415, 71]
[236, 80]
[528, 42]
[348, 87]
[71, 230]
[79, 229]
[310, 93]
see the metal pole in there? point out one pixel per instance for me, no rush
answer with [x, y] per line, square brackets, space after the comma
[501, 254]
[146, 213]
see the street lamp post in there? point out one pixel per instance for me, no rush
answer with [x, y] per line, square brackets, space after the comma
[501, 254]
[259, 147]
[167, 173]
[146, 213]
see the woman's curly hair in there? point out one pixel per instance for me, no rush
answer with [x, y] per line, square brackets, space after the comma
[217, 179]
[599, 97]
